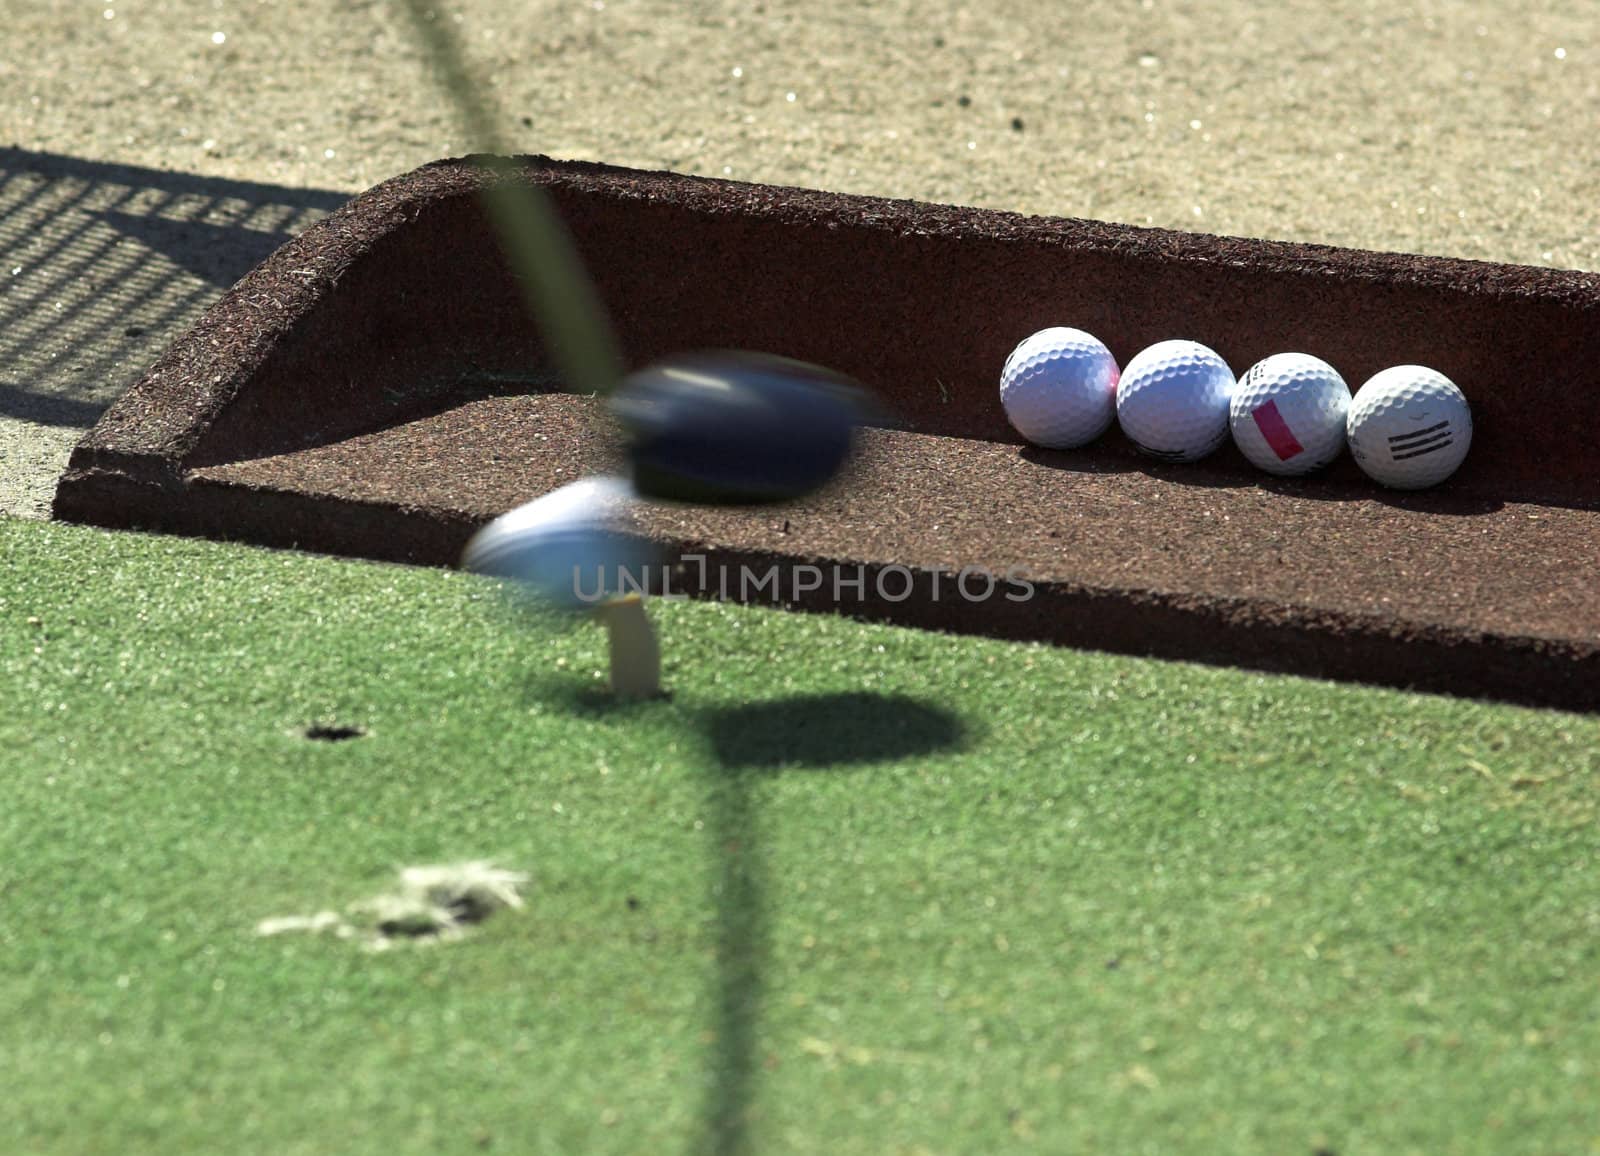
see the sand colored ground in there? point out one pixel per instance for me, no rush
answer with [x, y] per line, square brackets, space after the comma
[151, 153]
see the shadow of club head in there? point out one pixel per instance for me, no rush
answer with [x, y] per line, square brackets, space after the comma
[830, 731]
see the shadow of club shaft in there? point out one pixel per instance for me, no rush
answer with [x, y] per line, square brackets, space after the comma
[741, 952]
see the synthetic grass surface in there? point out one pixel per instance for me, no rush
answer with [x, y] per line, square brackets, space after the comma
[998, 896]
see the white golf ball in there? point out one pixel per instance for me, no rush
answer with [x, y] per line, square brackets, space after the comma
[1059, 388]
[1288, 413]
[572, 548]
[1409, 427]
[1172, 401]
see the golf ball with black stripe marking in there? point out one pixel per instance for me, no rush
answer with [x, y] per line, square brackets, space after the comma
[1409, 427]
[1288, 414]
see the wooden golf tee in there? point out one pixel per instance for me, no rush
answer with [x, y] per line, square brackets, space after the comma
[635, 653]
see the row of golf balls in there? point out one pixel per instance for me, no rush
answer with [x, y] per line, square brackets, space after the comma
[1408, 427]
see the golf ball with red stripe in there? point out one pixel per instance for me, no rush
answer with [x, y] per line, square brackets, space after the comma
[1288, 414]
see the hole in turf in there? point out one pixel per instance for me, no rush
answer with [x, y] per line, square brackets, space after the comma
[333, 732]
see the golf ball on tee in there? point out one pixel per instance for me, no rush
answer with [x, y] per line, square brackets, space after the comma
[1173, 399]
[1059, 388]
[571, 549]
[1288, 414]
[1409, 427]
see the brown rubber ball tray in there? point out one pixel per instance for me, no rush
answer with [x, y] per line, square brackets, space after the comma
[376, 388]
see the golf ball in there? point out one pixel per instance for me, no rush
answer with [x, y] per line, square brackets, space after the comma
[1409, 427]
[1172, 401]
[571, 549]
[1288, 413]
[1059, 388]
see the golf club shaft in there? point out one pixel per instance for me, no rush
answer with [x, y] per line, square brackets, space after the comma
[559, 294]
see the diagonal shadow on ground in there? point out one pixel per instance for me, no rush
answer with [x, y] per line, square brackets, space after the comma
[219, 254]
[102, 264]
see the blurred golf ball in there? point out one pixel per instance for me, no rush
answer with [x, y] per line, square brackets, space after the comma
[1059, 388]
[1288, 414]
[570, 549]
[1409, 427]
[1172, 401]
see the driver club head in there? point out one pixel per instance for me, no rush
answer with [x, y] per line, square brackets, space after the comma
[727, 427]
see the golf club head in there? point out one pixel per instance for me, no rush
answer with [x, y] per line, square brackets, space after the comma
[727, 427]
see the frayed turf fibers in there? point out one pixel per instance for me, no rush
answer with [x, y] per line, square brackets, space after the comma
[431, 904]
[1066, 901]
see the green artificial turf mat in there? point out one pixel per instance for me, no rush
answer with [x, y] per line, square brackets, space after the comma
[851, 889]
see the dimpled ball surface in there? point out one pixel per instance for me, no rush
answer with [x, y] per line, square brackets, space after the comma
[1409, 427]
[569, 549]
[1173, 399]
[1288, 414]
[1059, 388]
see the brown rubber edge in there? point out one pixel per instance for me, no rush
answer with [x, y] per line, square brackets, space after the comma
[399, 306]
